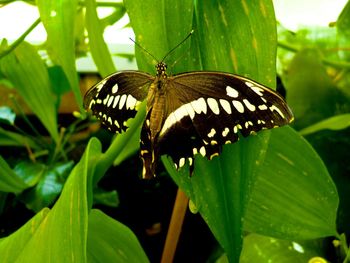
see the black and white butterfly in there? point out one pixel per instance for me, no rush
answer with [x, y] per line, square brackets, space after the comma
[187, 114]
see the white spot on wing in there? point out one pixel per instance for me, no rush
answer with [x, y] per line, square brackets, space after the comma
[231, 92]
[130, 102]
[115, 88]
[225, 132]
[250, 106]
[182, 162]
[122, 101]
[257, 90]
[116, 99]
[116, 123]
[170, 120]
[199, 106]
[213, 105]
[100, 85]
[106, 99]
[238, 105]
[211, 133]
[274, 108]
[262, 107]
[202, 151]
[190, 161]
[110, 100]
[180, 113]
[226, 106]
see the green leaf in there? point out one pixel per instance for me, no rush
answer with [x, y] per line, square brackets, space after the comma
[58, 18]
[294, 197]
[48, 188]
[258, 248]
[7, 115]
[132, 146]
[29, 172]
[108, 198]
[338, 122]
[59, 234]
[98, 47]
[111, 241]
[9, 180]
[343, 21]
[232, 36]
[25, 69]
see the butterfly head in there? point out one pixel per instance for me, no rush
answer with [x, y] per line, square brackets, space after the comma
[161, 68]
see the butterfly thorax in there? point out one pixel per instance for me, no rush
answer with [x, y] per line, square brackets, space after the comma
[156, 106]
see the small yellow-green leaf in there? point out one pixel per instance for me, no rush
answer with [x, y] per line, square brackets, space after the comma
[338, 122]
[9, 180]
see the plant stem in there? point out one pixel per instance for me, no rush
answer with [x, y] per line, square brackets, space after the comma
[10, 48]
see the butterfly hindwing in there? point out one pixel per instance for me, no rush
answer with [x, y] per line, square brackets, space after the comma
[114, 99]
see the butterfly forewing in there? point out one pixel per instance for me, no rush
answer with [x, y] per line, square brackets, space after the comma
[114, 99]
[213, 108]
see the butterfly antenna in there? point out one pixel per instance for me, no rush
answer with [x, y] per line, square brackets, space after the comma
[172, 50]
[145, 50]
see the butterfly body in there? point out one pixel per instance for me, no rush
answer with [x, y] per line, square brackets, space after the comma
[187, 114]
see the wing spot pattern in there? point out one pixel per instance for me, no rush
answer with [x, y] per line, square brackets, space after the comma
[213, 105]
[231, 92]
[226, 106]
[238, 106]
[250, 106]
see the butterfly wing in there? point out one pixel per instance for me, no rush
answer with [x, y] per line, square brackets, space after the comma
[114, 99]
[209, 109]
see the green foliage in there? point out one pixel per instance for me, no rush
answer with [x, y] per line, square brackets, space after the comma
[273, 184]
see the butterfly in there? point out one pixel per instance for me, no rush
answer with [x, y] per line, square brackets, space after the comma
[187, 114]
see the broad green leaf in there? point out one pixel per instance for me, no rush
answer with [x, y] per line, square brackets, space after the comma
[11, 246]
[258, 248]
[98, 47]
[338, 122]
[294, 197]
[7, 115]
[58, 17]
[61, 235]
[111, 241]
[25, 69]
[230, 36]
[9, 180]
